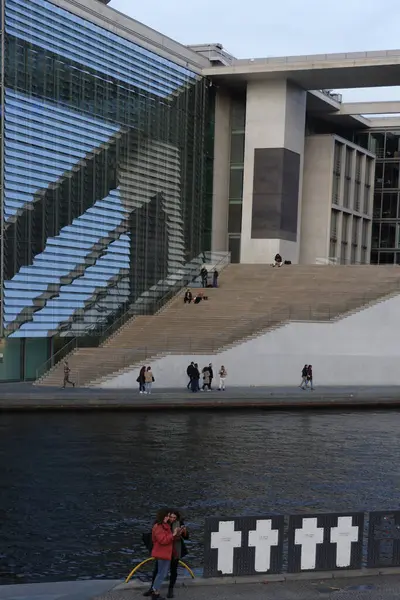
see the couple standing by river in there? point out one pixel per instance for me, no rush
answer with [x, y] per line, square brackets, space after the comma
[167, 547]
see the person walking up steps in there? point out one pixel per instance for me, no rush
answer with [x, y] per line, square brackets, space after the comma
[67, 372]
[222, 376]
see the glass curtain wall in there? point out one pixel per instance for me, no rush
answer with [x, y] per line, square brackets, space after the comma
[103, 181]
[238, 124]
[386, 213]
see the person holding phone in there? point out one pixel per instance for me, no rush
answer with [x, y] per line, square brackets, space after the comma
[180, 533]
[163, 544]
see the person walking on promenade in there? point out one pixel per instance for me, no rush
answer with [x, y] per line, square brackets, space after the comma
[67, 372]
[195, 379]
[148, 378]
[222, 376]
[163, 548]
[189, 373]
[310, 376]
[304, 374]
[142, 381]
[178, 552]
[210, 370]
[206, 380]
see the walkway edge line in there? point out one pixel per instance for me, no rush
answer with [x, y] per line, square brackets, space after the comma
[279, 578]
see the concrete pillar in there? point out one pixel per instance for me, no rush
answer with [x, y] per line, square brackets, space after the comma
[222, 138]
[273, 165]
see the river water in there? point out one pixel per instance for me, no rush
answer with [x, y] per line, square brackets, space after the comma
[77, 490]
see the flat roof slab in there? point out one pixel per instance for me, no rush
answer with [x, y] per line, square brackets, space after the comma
[329, 73]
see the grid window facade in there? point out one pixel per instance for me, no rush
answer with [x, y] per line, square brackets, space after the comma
[103, 189]
[238, 124]
[386, 210]
[351, 209]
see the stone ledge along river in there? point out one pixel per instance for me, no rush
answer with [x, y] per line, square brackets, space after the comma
[77, 490]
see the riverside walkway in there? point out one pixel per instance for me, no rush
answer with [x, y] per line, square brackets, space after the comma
[25, 396]
[340, 588]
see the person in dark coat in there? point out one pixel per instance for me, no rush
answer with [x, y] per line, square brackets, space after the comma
[188, 297]
[215, 278]
[310, 376]
[189, 372]
[204, 277]
[196, 378]
[304, 374]
[210, 370]
[141, 380]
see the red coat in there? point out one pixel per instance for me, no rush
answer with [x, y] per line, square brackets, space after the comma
[163, 541]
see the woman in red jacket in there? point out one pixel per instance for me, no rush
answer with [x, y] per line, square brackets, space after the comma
[163, 544]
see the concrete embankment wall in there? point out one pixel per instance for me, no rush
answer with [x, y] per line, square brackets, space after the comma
[360, 349]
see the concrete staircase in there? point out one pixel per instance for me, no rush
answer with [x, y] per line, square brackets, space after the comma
[251, 299]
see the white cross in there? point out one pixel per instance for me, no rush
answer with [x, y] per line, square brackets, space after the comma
[308, 537]
[225, 540]
[262, 539]
[343, 535]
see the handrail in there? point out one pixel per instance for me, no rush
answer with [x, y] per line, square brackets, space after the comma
[132, 309]
[234, 333]
[55, 358]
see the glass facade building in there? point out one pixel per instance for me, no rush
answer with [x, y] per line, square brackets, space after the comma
[385, 144]
[103, 176]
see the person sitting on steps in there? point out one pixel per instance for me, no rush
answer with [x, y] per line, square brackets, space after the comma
[278, 260]
[188, 297]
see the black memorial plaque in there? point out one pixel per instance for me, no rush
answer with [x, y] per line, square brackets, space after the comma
[384, 539]
[246, 546]
[325, 542]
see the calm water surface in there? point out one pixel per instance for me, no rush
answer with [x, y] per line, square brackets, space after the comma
[77, 490]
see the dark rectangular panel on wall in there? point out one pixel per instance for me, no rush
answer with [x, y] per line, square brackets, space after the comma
[243, 545]
[234, 249]
[384, 539]
[325, 542]
[275, 194]
[235, 218]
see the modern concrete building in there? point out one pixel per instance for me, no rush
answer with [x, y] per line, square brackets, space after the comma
[125, 156]
[301, 162]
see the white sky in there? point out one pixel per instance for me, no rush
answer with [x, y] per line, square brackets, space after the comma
[257, 28]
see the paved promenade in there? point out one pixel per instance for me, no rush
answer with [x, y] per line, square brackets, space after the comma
[340, 588]
[24, 396]
[358, 588]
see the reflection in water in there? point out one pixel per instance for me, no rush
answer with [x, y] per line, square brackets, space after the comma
[77, 490]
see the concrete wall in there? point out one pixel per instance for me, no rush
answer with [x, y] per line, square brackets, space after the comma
[275, 118]
[317, 198]
[222, 139]
[362, 349]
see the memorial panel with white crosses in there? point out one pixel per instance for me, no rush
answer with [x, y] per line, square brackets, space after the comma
[325, 542]
[384, 539]
[243, 546]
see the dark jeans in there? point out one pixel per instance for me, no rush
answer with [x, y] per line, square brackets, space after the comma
[194, 384]
[189, 385]
[173, 569]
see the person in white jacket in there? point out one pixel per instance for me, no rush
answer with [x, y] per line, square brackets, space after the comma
[222, 377]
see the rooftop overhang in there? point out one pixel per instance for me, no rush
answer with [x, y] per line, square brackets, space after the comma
[370, 108]
[329, 71]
